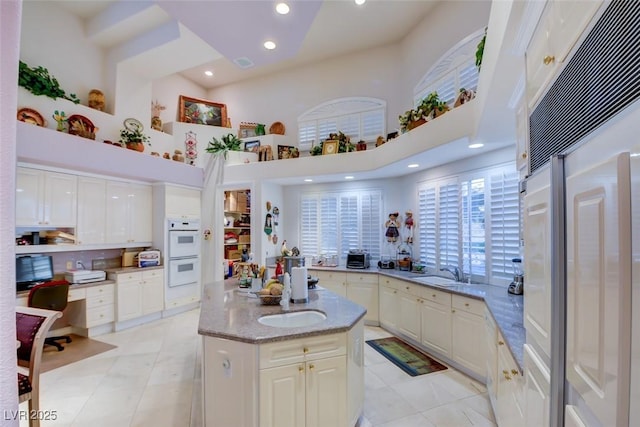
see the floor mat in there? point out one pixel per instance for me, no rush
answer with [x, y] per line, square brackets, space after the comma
[411, 360]
[79, 348]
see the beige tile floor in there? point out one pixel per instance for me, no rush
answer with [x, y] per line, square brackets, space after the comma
[153, 379]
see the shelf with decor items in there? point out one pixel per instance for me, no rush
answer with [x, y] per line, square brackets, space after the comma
[237, 229]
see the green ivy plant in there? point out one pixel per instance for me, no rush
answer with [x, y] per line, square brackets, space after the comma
[480, 50]
[39, 82]
[227, 143]
[133, 136]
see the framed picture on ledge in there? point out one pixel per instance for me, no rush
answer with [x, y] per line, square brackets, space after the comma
[252, 146]
[202, 112]
[330, 147]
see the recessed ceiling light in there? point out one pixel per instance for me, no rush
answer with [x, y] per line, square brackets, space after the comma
[348, 177]
[269, 45]
[413, 165]
[360, 2]
[208, 73]
[476, 145]
[282, 8]
[308, 180]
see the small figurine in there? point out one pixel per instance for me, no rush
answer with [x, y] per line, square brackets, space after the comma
[60, 119]
[408, 227]
[283, 250]
[392, 226]
[379, 141]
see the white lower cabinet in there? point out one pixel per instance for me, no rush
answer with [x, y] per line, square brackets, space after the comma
[537, 382]
[335, 281]
[409, 316]
[491, 330]
[361, 288]
[509, 408]
[389, 311]
[138, 293]
[97, 309]
[304, 382]
[468, 335]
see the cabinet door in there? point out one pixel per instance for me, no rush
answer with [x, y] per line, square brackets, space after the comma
[599, 285]
[92, 210]
[436, 326]
[129, 300]
[537, 264]
[570, 18]
[389, 307]
[409, 318]
[510, 411]
[536, 389]
[326, 389]
[29, 207]
[363, 289]
[60, 199]
[492, 354]
[333, 280]
[140, 213]
[117, 221]
[282, 396]
[182, 202]
[540, 61]
[152, 292]
[468, 346]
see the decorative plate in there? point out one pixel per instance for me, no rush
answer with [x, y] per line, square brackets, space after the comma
[133, 124]
[277, 128]
[81, 126]
[29, 115]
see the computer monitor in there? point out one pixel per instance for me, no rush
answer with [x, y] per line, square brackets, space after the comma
[33, 269]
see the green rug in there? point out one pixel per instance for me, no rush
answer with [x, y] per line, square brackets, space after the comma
[409, 359]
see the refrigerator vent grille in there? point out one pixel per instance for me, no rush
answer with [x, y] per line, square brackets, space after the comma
[600, 80]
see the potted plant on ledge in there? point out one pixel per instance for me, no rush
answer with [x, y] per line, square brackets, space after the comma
[429, 108]
[227, 143]
[132, 136]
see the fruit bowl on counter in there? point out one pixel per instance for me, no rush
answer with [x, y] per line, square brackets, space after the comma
[270, 299]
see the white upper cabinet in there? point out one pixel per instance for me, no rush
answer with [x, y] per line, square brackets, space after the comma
[560, 27]
[129, 212]
[45, 198]
[182, 202]
[92, 210]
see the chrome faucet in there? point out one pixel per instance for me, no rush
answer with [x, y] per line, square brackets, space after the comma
[458, 275]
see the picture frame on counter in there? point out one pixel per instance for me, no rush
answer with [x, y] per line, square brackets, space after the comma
[201, 111]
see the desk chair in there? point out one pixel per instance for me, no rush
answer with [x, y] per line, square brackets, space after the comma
[51, 296]
[32, 325]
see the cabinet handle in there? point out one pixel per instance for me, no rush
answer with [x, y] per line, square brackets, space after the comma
[305, 350]
[466, 304]
[433, 295]
[515, 372]
[500, 342]
[418, 299]
[300, 369]
[507, 377]
[395, 292]
[407, 288]
[548, 59]
[453, 311]
[504, 371]
[311, 367]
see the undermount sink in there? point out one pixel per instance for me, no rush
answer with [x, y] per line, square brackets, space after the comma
[294, 319]
[438, 281]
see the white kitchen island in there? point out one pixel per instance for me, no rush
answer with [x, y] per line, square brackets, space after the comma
[257, 375]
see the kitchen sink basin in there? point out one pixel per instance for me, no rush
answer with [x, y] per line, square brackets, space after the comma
[438, 281]
[294, 319]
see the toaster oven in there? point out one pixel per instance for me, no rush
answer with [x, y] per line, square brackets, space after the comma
[358, 259]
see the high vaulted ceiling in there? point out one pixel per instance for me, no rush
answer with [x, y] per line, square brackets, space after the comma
[224, 31]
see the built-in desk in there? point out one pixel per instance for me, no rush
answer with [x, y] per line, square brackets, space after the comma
[90, 310]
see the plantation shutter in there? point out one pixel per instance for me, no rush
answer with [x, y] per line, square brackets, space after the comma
[505, 223]
[350, 126]
[427, 226]
[328, 225]
[468, 75]
[449, 224]
[306, 134]
[373, 123]
[350, 236]
[473, 227]
[371, 223]
[309, 243]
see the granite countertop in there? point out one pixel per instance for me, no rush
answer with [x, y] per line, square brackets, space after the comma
[226, 312]
[507, 309]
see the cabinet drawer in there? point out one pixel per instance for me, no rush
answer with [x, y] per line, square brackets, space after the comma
[96, 291]
[76, 294]
[100, 315]
[362, 278]
[390, 283]
[437, 296]
[151, 274]
[330, 276]
[470, 305]
[128, 277]
[411, 288]
[99, 300]
[303, 349]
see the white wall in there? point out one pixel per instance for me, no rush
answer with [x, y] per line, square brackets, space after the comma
[167, 92]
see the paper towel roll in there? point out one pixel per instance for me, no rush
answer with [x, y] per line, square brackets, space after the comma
[299, 288]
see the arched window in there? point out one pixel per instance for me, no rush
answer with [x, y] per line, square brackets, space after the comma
[456, 69]
[359, 118]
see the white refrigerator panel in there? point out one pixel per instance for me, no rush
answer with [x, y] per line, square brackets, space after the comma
[537, 263]
[598, 249]
[634, 413]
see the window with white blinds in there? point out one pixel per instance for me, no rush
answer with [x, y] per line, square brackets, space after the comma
[359, 118]
[334, 223]
[471, 222]
[455, 70]
[505, 223]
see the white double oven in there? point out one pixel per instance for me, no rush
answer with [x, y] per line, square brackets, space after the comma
[183, 253]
